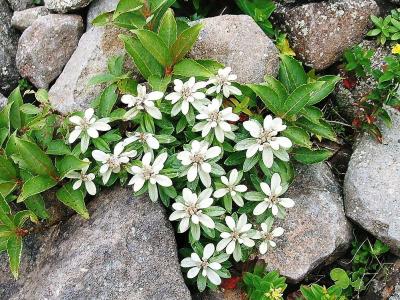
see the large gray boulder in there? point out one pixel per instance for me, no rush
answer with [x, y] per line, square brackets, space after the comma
[8, 48]
[71, 91]
[63, 6]
[372, 185]
[238, 42]
[320, 32]
[20, 4]
[98, 7]
[316, 229]
[46, 46]
[126, 250]
[25, 18]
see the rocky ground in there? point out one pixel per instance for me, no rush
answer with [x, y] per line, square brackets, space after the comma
[127, 249]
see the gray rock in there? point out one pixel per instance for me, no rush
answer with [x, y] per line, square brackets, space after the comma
[238, 42]
[320, 32]
[316, 229]
[8, 48]
[346, 98]
[20, 4]
[98, 7]
[24, 18]
[126, 250]
[63, 6]
[372, 185]
[227, 294]
[71, 91]
[3, 101]
[46, 46]
[386, 285]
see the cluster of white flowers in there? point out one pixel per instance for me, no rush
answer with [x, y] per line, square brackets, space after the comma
[199, 161]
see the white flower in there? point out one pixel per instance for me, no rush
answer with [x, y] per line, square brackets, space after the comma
[216, 120]
[151, 173]
[265, 140]
[232, 187]
[238, 235]
[142, 101]
[86, 128]
[272, 200]
[222, 81]
[197, 161]
[190, 210]
[87, 179]
[204, 264]
[145, 138]
[112, 162]
[267, 236]
[186, 94]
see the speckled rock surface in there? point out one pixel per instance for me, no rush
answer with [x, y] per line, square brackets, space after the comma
[372, 185]
[63, 6]
[386, 285]
[238, 42]
[8, 48]
[24, 18]
[72, 91]
[316, 229]
[227, 294]
[126, 250]
[98, 7]
[46, 46]
[320, 32]
[20, 4]
[345, 98]
[3, 101]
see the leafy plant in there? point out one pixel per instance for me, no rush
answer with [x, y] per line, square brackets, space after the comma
[262, 285]
[293, 97]
[386, 29]
[358, 61]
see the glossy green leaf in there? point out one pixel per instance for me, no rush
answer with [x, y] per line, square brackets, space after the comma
[321, 129]
[73, 199]
[185, 42]
[326, 89]
[168, 28]
[36, 185]
[107, 100]
[37, 206]
[155, 46]
[14, 250]
[298, 136]
[125, 6]
[16, 119]
[269, 97]
[308, 156]
[291, 73]
[70, 163]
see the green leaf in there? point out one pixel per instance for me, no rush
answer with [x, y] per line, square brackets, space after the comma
[102, 19]
[5, 123]
[22, 216]
[308, 156]
[5, 218]
[300, 97]
[269, 97]
[4, 205]
[58, 147]
[102, 78]
[159, 84]
[36, 185]
[73, 199]
[7, 169]
[168, 28]
[185, 42]
[276, 86]
[291, 73]
[298, 136]
[37, 206]
[125, 6]
[42, 96]
[116, 65]
[70, 163]
[35, 159]
[16, 119]
[330, 82]
[155, 45]
[107, 100]
[14, 250]
[30, 109]
[321, 129]
[340, 277]
[191, 68]
[144, 61]
[250, 162]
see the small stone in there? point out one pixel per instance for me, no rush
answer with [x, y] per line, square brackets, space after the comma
[20, 4]
[98, 7]
[3, 101]
[237, 42]
[372, 185]
[24, 18]
[316, 229]
[46, 46]
[71, 91]
[63, 6]
[101, 258]
[8, 48]
[320, 32]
